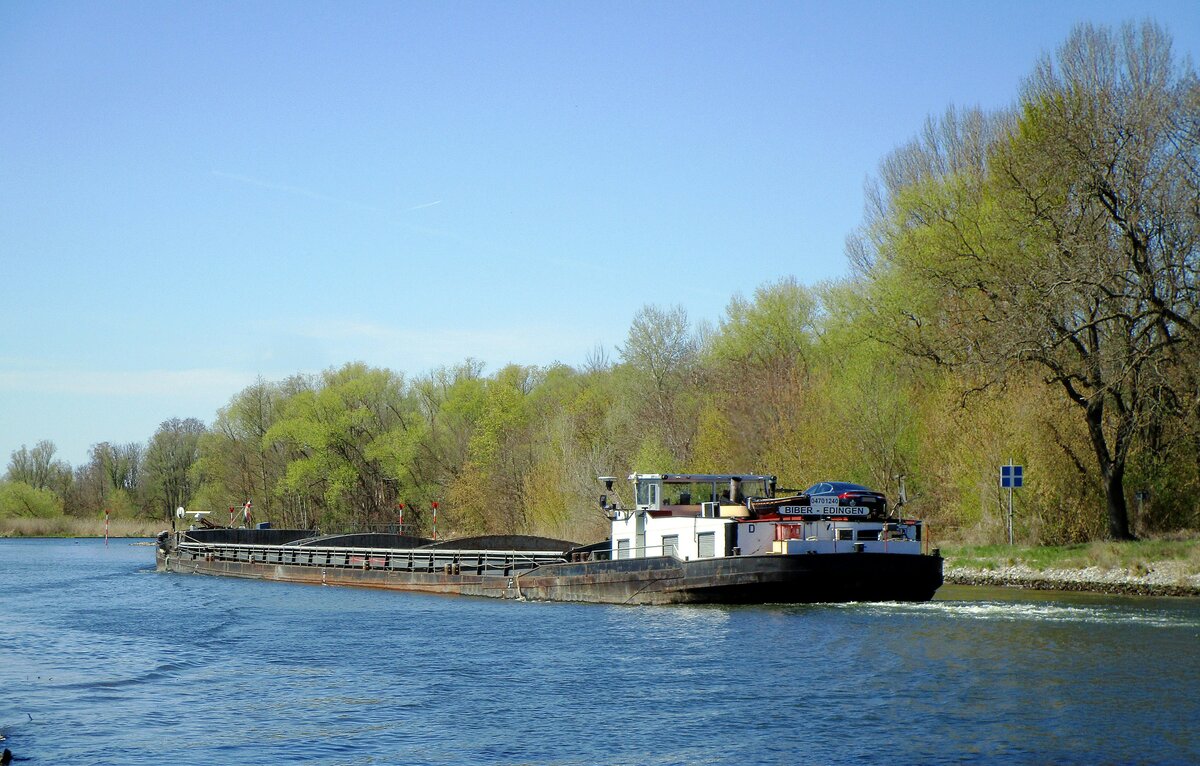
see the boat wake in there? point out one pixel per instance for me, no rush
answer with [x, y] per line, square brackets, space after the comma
[1103, 614]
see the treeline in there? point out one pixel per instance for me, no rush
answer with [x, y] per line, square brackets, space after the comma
[130, 480]
[1025, 287]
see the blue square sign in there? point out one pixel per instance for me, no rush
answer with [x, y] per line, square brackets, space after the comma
[1012, 476]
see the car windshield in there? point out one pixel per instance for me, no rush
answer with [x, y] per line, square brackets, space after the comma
[834, 488]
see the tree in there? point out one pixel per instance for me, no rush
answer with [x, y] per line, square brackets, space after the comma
[173, 451]
[339, 440]
[18, 499]
[1109, 138]
[38, 469]
[660, 352]
[1063, 237]
[757, 379]
[239, 464]
[119, 464]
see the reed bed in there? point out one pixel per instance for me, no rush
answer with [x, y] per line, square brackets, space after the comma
[71, 526]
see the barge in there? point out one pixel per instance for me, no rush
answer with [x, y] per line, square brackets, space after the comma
[686, 538]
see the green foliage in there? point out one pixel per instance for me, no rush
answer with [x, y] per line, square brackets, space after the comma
[654, 457]
[121, 505]
[235, 464]
[777, 328]
[1060, 241]
[18, 499]
[660, 355]
[173, 452]
[336, 437]
[37, 468]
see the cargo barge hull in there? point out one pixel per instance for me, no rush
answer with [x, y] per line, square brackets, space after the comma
[840, 577]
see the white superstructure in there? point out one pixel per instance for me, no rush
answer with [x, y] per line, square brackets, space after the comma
[697, 516]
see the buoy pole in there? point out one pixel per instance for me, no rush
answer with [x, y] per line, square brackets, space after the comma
[105, 527]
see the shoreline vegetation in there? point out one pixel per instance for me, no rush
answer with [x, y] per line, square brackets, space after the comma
[70, 526]
[1153, 567]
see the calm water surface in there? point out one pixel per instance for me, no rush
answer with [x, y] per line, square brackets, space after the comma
[105, 661]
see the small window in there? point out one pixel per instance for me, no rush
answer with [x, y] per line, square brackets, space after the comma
[622, 549]
[868, 534]
[647, 493]
[845, 534]
[670, 545]
[707, 542]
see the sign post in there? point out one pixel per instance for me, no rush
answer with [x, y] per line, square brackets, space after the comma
[1011, 476]
[1142, 496]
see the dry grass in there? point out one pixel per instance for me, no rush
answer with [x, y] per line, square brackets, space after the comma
[1135, 557]
[70, 526]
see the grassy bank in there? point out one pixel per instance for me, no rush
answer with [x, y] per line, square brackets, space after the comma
[71, 526]
[1154, 567]
[1135, 557]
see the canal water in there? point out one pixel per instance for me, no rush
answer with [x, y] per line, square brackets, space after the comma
[105, 661]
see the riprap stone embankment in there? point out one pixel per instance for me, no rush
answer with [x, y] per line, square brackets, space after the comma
[1161, 579]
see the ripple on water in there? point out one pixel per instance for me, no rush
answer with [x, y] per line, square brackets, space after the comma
[118, 666]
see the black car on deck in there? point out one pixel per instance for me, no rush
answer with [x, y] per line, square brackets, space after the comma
[848, 499]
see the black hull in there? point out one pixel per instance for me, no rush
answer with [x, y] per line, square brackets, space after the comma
[767, 579]
[771, 579]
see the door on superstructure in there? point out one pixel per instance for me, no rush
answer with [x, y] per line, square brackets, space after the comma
[639, 543]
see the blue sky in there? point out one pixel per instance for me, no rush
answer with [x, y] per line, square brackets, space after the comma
[193, 195]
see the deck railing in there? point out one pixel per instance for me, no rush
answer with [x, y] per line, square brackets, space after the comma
[433, 561]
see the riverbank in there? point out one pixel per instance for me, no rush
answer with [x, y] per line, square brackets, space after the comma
[1166, 580]
[71, 526]
[1164, 567]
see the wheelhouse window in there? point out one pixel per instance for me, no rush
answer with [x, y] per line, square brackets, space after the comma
[689, 493]
[647, 493]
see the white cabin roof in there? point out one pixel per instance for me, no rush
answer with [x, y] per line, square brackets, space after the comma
[689, 478]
